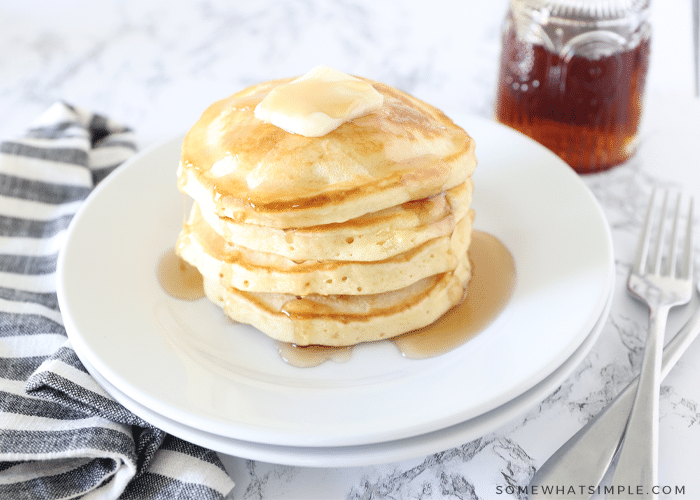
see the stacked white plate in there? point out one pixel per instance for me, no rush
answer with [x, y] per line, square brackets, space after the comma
[187, 369]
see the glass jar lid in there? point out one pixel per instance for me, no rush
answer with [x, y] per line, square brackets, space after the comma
[593, 10]
[588, 27]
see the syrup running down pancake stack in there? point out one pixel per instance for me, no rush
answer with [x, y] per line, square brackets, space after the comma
[328, 210]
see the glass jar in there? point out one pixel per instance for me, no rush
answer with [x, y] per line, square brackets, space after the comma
[572, 77]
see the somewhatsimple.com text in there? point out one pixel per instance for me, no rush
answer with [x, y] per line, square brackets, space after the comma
[590, 490]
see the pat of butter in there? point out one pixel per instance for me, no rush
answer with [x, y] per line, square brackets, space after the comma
[318, 102]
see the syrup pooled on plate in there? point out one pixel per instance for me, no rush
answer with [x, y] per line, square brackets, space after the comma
[312, 355]
[488, 292]
[178, 278]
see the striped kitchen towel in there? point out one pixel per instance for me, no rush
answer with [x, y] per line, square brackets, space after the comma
[61, 435]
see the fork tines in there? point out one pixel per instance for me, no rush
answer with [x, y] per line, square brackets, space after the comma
[655, 266]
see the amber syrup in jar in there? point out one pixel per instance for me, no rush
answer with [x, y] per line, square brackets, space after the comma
[578, 91]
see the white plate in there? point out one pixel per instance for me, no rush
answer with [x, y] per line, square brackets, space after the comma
[184, 360]
[369, 454]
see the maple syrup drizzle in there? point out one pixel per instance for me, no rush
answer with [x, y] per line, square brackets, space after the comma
[178, 278]
[313, 355]
[488, 292]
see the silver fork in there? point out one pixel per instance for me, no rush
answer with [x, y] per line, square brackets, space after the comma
[587, 455]
[661, 288]
[584, 459]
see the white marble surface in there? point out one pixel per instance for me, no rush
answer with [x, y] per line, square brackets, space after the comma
[156, 65]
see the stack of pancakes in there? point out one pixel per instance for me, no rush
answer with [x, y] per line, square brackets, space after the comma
[358, 235]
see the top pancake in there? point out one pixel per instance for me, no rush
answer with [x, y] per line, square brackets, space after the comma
[250, 171]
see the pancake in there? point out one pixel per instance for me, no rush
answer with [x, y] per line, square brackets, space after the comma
[374, 236]
[251, 171]
[249, 270]
[329, 209]
[342, 320]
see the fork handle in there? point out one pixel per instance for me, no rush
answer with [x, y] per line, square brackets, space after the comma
[637, 465]
[586, 456]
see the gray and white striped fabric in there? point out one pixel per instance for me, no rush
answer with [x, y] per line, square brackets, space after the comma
[61, 435]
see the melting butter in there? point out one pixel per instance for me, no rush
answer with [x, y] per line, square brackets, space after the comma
[318, 102]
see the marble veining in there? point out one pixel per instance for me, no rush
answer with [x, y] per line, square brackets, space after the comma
[441, 473]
